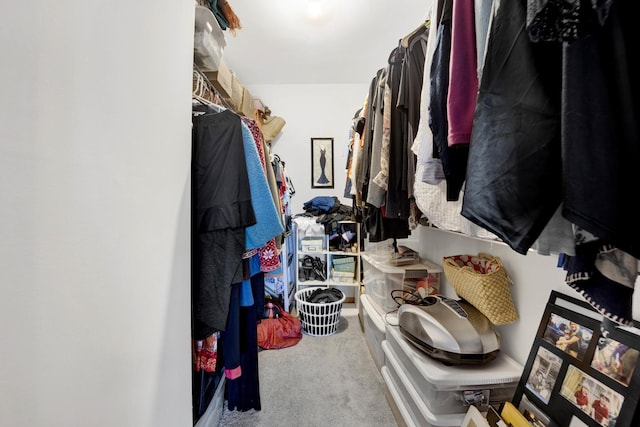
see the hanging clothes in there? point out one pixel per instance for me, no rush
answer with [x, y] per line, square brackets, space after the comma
[262, 235]
[380, 228]
[604, 275]
[423, 144]
[514, 178]
[461, 97]
[206, 372]
[363, 169]
[363, 159]
[269, 224]
[397, 197]
[600, 128]
[430, 187]
[240, 340]
[410, 88]
[222, 210]
[376, 191]
[411, 80]
[600, 145]
[230, 171]
[348, 185]
[439, 91]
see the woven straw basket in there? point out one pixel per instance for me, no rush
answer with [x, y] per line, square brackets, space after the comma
[483, 282]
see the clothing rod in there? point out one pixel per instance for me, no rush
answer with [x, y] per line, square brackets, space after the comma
[217, 98]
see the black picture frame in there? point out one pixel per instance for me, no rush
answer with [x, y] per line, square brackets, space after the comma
[576, 380]
[322, 163]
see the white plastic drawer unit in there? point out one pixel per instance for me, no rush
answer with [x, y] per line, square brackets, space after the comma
[380, 279]
[448, 389]
[374, 330]
[411, 407]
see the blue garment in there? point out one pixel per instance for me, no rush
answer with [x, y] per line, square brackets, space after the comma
[240, 349]
[254, 265]
[246, 295]
[268, 225]
[323, 203]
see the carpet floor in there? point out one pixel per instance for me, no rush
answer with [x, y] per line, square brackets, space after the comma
[321, 381]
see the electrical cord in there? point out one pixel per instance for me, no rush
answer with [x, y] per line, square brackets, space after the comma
[389, 322]
[400, 296]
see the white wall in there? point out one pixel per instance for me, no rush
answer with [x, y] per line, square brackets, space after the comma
[312, 111]
[94, 220]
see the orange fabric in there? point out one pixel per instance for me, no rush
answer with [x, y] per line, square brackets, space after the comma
[285, 331]
[232, 18]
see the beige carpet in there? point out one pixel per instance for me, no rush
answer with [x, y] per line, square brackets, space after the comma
[321, 381]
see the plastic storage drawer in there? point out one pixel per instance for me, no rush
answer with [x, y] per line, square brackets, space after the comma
[380, 279]
[413, 411]
[449, 389]
[374, 330]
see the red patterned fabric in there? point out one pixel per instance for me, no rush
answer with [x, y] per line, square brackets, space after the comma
[206, 354]
[269, 259]
[257, 137]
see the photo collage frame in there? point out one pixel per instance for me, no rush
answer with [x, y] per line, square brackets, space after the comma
[582, 369]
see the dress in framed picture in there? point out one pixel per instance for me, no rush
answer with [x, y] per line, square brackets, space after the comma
[322, 163]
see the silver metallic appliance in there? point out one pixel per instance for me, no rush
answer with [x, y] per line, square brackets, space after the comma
[452, 331]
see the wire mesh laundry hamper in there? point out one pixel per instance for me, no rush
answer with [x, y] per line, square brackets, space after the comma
[318, 319]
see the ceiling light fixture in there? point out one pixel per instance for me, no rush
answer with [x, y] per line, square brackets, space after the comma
[315, 9]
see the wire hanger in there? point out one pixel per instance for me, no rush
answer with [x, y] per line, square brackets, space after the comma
[202, 91]
[207, 102]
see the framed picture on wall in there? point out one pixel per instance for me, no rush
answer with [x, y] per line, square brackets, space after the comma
[322, 163]
[582, 368]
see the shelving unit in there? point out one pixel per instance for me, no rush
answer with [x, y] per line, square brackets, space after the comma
[331, 261]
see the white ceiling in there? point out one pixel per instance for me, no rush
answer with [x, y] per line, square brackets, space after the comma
[280, 43]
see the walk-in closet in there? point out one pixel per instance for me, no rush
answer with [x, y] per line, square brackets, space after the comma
[241, 213]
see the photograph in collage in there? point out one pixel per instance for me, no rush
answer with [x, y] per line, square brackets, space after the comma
[568, 336]
[592, 397]
[615, 359]
[544, 373]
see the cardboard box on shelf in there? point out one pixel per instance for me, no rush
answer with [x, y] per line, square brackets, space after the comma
[237, 91]
[247, 103]
[221, 79]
